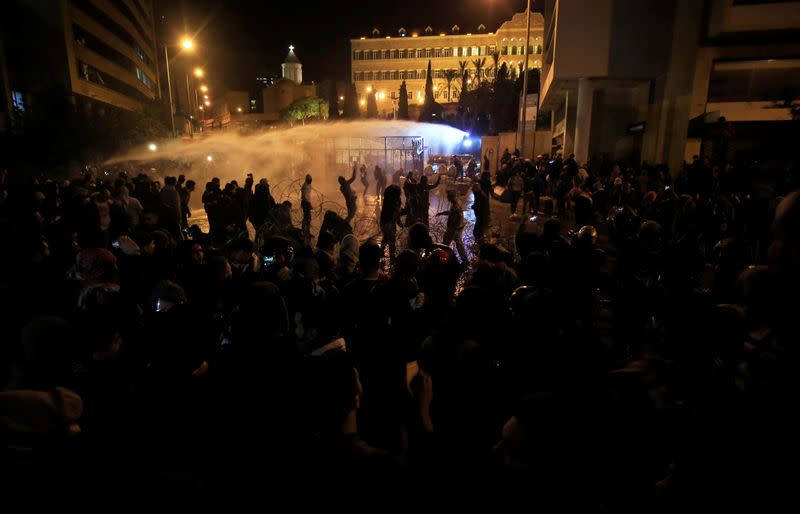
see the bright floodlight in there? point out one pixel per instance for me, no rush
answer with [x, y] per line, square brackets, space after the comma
[369, 89]
[362, 102]
[204, 88]
[187, 43]
[152, 147]
[207, 103]
[209, 158]
[341, 98]
[198, 72]
[238, 109]
[467, 142]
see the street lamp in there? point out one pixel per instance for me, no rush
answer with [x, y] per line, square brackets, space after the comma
[204, 88]
[362, 102]
[207, 103]
[381, 95]
[205, 97]
[209, 158]
[369, 89]
[198, 72]
[152, 147]
[188, 45]
[525, 83]
[341, 98]
[238, 109]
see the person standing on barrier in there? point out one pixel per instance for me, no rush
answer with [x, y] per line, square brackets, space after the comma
[305, 204]
[349, 196]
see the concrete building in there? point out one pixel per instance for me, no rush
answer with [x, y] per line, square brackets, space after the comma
[381, 61]
[650, 79]
[101, 52]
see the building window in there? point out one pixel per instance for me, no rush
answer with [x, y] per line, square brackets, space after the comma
[368, 75]
[394, 54]
[428, 53]
[395, 75]
[447, 52]
[410, 95]
[376, 54]
[386, 54]
[420, 53]
[505, 50]
[367, 55]
[355, 55]
[404, 54]
[437, 52]
[476, 50]
[403, 75]
[492, 49]
[17, 101]
[143, 78]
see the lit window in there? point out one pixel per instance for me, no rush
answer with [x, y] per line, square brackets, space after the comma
[17, 101]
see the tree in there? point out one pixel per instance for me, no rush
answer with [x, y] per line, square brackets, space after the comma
[462, 73]
[402, 104]
[449, 77]
[430, 110]
[351, 103]
[502, 73]
[479, 64]
[304, 108]
[372, 106]
[495, 59]
[429, 86]
[333, 102]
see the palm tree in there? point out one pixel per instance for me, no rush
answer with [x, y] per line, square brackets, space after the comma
[462, 73]
[479, 64]
[449, 76]
[495, 60]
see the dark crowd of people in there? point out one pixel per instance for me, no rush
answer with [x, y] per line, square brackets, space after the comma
[645, 362]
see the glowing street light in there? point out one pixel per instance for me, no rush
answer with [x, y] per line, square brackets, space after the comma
[204, 88]
[369, 89]
[205, 97]
[152, 147]
[198, 72]
[209, 158]
[238, 109]
[362, 102]
[187, 44]
[341, 98]
[201, 107]
[207, 103]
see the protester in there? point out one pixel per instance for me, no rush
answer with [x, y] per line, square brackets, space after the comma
[643, 360]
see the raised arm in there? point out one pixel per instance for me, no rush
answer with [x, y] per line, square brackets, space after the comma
[353, 178]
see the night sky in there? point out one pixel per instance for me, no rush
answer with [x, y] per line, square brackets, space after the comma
[241, 38]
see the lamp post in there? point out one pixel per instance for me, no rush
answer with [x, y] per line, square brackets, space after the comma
[186, 44]
[525, 83]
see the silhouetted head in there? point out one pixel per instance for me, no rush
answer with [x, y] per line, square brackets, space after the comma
[308, 179]
[341, 180]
